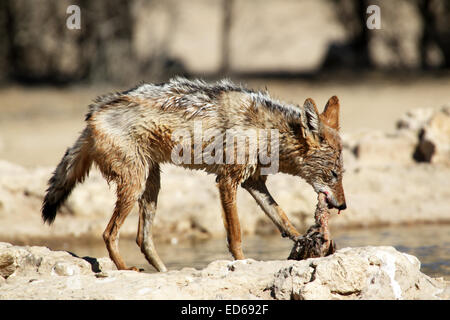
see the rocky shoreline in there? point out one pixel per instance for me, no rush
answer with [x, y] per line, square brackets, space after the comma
[351, 273]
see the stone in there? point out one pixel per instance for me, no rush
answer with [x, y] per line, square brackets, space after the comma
[357, 273]
[414, 119]
[434, 139]
[380, 148]
[66, 269]
[16, 261]
[350, 273]
[7, 265]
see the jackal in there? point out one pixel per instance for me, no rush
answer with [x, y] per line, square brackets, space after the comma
[128, 135]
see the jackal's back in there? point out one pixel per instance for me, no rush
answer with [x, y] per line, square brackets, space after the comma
[146, 116]
[193, 100]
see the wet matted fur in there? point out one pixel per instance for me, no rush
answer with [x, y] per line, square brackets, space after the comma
[129, 134]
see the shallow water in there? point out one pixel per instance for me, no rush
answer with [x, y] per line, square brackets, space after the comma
[429, 243]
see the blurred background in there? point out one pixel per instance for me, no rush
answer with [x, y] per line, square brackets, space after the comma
[393, 84]
[128, 41]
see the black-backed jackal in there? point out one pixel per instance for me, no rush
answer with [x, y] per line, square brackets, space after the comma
[195, 124]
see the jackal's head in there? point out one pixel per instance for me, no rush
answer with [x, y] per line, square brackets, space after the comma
[322, 165]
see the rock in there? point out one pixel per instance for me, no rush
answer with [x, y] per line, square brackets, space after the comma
[7, 266]
[18, 261]
[379, 196]
[105, 264]
[379, 148]
[65, 269]
[350, 273]
[432, 130]
[434, 139]
[422, 135]
[415, 119]
[357, 273]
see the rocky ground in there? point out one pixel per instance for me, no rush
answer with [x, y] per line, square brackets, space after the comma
[350, 273]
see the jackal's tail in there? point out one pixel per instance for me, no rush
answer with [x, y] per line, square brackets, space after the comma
[73, 168]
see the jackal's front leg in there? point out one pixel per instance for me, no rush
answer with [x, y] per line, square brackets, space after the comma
[257, 188]
[228, 190]
[147, 211]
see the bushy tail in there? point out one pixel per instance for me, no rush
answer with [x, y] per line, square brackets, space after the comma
[73, 168]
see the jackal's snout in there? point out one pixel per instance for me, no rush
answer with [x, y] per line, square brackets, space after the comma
[335, 201]
[340, 198]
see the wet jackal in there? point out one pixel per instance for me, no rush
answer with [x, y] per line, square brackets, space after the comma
[197, 125]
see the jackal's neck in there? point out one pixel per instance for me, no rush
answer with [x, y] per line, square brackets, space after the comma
[292, 151]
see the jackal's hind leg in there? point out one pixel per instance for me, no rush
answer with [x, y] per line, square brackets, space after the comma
[147, 210]
[126, 198]
[256, 186]
[230, 217]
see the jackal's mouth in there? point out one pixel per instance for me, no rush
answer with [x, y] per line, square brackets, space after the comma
[328, 201]
[329, 204]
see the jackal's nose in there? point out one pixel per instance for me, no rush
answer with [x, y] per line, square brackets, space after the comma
[342, 206]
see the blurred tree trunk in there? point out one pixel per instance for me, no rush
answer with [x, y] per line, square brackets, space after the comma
[354, 53]
[5, 41]
[435, 16]
[40, 48]
[360, 41]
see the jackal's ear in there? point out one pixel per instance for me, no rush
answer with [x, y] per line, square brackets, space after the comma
[330, 115]
[310, 120]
